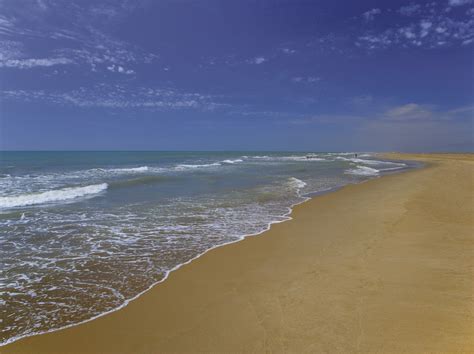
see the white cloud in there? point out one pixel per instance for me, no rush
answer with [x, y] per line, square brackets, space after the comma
[409, 112]
[258, 60]
[120, 97]
[418, 127]
[410, 126]
[422, 112]
[430, 26]
[264, 114]
[425, 27]
[405, 114]
[305, 79]
[409, 10]
[31, 63]
[82, 39]
[10, 50]
[370, 15]
[288, 51]
[460, 2]
[120, 69]
[42, 4]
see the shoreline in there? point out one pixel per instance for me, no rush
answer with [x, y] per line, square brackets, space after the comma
[287, 217]
[38, 343]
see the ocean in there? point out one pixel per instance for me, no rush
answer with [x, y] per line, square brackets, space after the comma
[83, 233]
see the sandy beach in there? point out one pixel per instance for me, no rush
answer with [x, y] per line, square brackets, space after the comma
[382, 266]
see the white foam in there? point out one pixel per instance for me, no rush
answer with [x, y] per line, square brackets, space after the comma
[366, 162]
[296, 183]
[376, 162]
[132, 170]
[392, 168]
[185, 166]
[232, 161]
[362, 171]
[51, 196]
[289, 158]
[370, 162]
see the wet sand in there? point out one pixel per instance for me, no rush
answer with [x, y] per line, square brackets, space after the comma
[383, 266]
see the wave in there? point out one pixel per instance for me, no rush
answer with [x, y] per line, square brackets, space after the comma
[296, 183]
[51, 196]
[370, 162]
[377, 162]
[185, 166]
[232, 161]
[289, 158]
[362, 171]
[140, 180]
[132, 169]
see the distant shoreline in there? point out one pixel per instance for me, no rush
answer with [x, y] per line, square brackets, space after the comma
[305, 284]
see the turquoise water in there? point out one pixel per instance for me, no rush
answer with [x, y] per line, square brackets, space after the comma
[82, 233]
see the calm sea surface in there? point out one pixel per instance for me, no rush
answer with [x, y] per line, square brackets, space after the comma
[81, 233]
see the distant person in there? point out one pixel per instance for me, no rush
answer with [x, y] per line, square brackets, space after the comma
[355, 155]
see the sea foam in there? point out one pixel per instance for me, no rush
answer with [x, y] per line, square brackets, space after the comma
[51, 196]
[232, 161]
[130, 170]
[188, 166]
[362, 171]
[296, 183]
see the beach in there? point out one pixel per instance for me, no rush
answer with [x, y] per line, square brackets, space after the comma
[382, 266]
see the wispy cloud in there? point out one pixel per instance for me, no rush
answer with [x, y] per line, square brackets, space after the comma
[120, 69]
[85, 40]
[306, 79]
[409, 112]
[460, 2]
[120, 97]
[288, 51]
[370, 15]
[32, 63]
[410, 126]
[413, 112]
[405, 114]
[10, 50]
[410, 10]
[257, 60]
[415, 126]
[268, 114]
[431, 26]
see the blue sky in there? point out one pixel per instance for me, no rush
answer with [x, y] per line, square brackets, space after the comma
[236, 75]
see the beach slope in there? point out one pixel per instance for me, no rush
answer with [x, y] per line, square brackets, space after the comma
[383, 266]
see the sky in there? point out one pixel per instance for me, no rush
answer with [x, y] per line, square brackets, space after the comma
[302, 75]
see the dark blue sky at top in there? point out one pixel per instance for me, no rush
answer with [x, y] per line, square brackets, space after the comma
[236, 75]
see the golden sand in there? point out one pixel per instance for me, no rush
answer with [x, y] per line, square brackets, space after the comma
[383, 266]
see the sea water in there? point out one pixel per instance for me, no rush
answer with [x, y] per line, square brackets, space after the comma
[82, 233]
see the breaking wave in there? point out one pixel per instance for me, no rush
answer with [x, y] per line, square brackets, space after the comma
[296, 183]
[186, 166]
[232, 161]
[131, 170]
[362, 171]
[51, 196]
